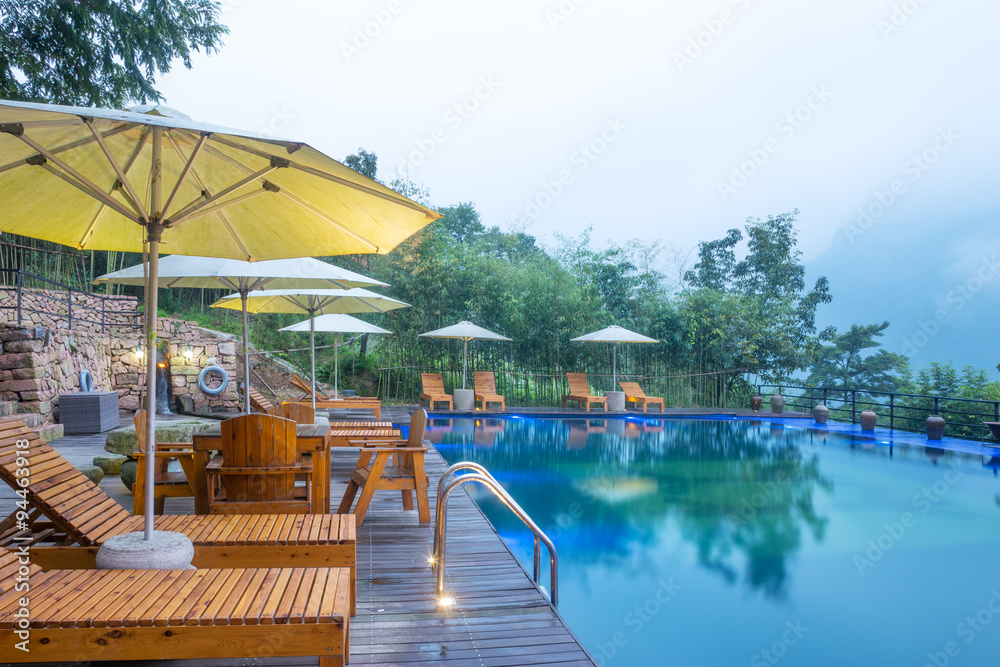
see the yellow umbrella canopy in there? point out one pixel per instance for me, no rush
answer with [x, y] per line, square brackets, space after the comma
[129, 180]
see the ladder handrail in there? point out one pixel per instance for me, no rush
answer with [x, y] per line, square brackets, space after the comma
[482, 476]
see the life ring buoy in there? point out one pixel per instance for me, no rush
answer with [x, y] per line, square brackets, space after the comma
[86, 380]
[204, 374]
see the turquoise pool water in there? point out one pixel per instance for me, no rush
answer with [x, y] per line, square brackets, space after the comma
[732, 542]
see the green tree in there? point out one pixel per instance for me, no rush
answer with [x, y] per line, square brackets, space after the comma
[99, 52]
[756, 310]
[852, 360]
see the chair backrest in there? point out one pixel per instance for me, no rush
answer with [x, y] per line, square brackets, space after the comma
[418, 428]
[300, 413]
[65, 495]
[139, 419]
[258, 441]
[578, 384]
[432, 383]
[258, 402]
[484, 382]
[632, 389]
[300, 383]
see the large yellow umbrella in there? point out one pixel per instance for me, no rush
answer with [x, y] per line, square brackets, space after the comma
[131, 180]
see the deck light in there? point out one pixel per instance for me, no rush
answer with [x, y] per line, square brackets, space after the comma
[446, 601]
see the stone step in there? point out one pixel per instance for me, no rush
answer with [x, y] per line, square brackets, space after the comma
[49, 432]
[30, 419]
[8, 408]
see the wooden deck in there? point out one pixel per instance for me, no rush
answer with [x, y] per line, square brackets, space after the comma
[499, 619]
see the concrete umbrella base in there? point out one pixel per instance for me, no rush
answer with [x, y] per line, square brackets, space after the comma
[464, 399]
[616, 401]
[131, 551]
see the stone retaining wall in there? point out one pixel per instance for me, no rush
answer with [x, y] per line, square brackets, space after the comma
[118, 311]
[34, 370]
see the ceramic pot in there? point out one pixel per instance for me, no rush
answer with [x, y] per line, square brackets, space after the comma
[935, 427]
[821, 413]
[868, 419]
[756, 402]
[777, 404]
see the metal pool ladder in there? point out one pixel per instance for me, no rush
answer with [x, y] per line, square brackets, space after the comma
[483, 476]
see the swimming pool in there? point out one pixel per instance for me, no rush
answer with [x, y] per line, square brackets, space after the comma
[728, 542]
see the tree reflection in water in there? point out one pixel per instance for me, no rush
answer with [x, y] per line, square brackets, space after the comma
[741, 493]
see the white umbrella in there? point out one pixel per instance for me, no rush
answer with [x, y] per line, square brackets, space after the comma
[465, 331]
[614, 335]
[337, 323]
[312, 303]
[100, 179]
[235, 274]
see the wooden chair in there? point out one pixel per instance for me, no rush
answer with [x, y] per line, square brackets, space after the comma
[303, 385]
[300, 413]
[486, 390]
[136, 615]
[635, 394]
[259, 403]
[579, 392]
[168, 484]
[374, 471]
[258, 469]
[432, 391]
[69, 517]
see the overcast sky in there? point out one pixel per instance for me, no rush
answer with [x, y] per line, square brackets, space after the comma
[658, 120]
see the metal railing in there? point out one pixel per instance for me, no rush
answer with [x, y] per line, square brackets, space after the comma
[964, 417]
[73, 311]
[483, 476]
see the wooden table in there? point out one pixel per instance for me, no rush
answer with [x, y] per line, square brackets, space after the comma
[313, 439]
[341, 437]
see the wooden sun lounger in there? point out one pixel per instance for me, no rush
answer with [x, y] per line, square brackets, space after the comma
[70, 517]
[259, 403]
[579, 392]
[131, 615]
[352, 403]
[486, 390]
[432, 391]
[635, 394]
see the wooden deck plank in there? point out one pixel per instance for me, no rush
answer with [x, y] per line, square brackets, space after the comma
[500, 617]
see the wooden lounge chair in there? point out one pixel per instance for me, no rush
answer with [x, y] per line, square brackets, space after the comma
[69, 517]
[432, 391]
[301, 384]
[579, 392]
[258, 468]
[327, 402]
[133, 615]
[486, 390]
[406, 474]
[635, 394]
[167, 484]
[259, 403]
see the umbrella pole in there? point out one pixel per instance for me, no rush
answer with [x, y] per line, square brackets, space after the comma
[246, 354]
[153, 232]
[336, 363]
[312, 353]
[614, 366]
[465, 360]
